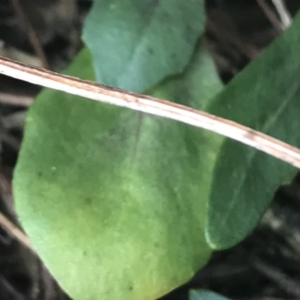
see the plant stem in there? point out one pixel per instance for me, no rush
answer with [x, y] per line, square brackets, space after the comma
[154, 106]
[15, 231]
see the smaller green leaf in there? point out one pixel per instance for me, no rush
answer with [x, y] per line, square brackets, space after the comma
[135, 44]
[265, 97]
[205, 295]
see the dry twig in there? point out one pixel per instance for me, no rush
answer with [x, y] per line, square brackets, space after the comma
[33, 38]
[289, 284]
[154, 106]
[271, 15]
[14, 120]
[284, 14]
[15, 231]
[19, 100]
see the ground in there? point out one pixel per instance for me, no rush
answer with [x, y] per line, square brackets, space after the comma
[264, 266]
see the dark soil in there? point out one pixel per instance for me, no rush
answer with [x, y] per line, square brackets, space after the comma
[266, 265]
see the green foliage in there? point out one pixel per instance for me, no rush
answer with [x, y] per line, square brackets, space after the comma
[118, 195]
[265, 97]
[205, 295]
[136, 44]
[121, 196]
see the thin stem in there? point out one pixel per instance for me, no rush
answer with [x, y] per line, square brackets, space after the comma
[284, 14]
[271, 15]
[20, 100]
[289, 284]
[152, 106]
[15, 231]
[33, 38]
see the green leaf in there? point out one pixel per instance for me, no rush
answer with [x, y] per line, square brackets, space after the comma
[265, 97]
[108, 195]
[136, 44]
[205, 295]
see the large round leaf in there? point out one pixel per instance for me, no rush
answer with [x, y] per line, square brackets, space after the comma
[115, 200]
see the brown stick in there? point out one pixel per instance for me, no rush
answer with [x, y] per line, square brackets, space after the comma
[15, 231]
[33, 38]
[152, 106]
[284, 14]
[20, 100]
[271, 15]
